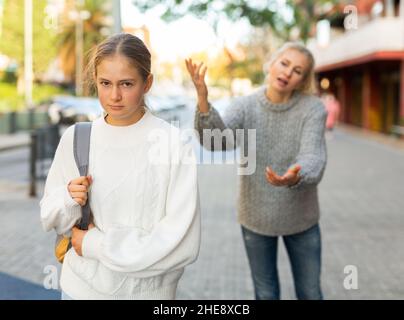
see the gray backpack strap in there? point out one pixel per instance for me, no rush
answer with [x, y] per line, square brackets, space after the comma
[81, 147]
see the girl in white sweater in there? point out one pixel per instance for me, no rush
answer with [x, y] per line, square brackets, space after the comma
[141, 186]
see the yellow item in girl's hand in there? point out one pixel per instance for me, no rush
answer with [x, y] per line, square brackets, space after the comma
[81, 147]
[61, 247]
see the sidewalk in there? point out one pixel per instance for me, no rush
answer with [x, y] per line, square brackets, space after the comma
[22, 139]
[388, 140]
[13, 141]
[361, 200]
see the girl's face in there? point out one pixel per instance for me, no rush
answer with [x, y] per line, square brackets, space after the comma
[121, 89]
[288, 71]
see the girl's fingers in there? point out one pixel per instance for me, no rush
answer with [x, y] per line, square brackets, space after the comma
[79, 180]
[79, 201]
[74, 230]
[82, 195]
[87, 181]
[77, 188]
[84, 180]
[90, 181]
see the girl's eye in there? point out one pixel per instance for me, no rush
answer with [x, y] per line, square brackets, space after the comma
[298, 72]
[104, 83]
[283, 63]
[127, 84]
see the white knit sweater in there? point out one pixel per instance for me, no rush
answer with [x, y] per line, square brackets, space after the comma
[145, 203]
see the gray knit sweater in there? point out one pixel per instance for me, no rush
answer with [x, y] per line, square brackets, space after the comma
[286, 134]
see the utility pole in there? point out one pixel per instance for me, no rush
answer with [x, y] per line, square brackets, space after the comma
[28, 72]
[79, 16]
[116, 9]
[389, 8]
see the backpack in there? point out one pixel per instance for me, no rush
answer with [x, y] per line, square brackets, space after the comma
[81, 148]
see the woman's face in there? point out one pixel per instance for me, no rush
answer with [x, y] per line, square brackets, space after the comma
[121, 89]
[288, 71]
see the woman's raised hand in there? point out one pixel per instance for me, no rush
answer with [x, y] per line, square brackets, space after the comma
[197, 73]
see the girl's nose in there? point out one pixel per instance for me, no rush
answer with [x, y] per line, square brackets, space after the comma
[116, 93]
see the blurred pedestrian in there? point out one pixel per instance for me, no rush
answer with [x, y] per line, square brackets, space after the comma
[146, 225]
[280, 197]
[333, 109]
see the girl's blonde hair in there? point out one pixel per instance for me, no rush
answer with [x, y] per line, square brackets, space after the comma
[124, 44]
[308, 82]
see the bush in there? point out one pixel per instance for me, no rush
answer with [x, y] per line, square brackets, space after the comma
[9, 76]
[10, 100]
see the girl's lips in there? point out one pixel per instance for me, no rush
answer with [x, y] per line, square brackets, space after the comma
[116, 107]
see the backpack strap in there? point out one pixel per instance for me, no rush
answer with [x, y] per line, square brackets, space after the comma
[81, 147]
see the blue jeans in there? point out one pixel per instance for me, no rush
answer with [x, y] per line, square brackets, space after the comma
[304, 251]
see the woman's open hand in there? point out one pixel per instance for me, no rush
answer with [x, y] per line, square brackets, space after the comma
[290, 178]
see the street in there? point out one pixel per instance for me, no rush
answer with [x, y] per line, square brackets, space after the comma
[362, 223]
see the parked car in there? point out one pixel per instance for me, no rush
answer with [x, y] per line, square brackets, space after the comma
[70, 109]
[165, 107]
[164, 103]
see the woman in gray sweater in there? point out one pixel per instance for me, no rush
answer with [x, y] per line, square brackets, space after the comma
[279, 198]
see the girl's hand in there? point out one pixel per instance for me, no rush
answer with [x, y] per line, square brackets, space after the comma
[77, 238]
[78, 189]
[290, 178]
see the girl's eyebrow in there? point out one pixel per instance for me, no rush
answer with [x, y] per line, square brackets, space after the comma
[103, 79]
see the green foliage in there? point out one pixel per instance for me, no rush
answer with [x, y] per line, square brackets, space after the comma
[11, 101]
[260, 14]
[95, 29]
[12, 37]
[9, 76]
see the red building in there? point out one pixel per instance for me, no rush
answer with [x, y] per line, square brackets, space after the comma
[363, 63]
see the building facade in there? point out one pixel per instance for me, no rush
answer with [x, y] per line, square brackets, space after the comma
[363, 63]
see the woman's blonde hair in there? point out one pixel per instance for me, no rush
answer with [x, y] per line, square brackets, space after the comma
[308, 82]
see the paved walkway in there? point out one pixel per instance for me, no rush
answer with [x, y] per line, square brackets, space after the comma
[13, 141]
[362, 202]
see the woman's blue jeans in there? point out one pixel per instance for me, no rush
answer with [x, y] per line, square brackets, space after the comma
[304, 251]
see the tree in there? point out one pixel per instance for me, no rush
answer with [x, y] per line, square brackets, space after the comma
[12, 36]
[96, 28]
[281, 18]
